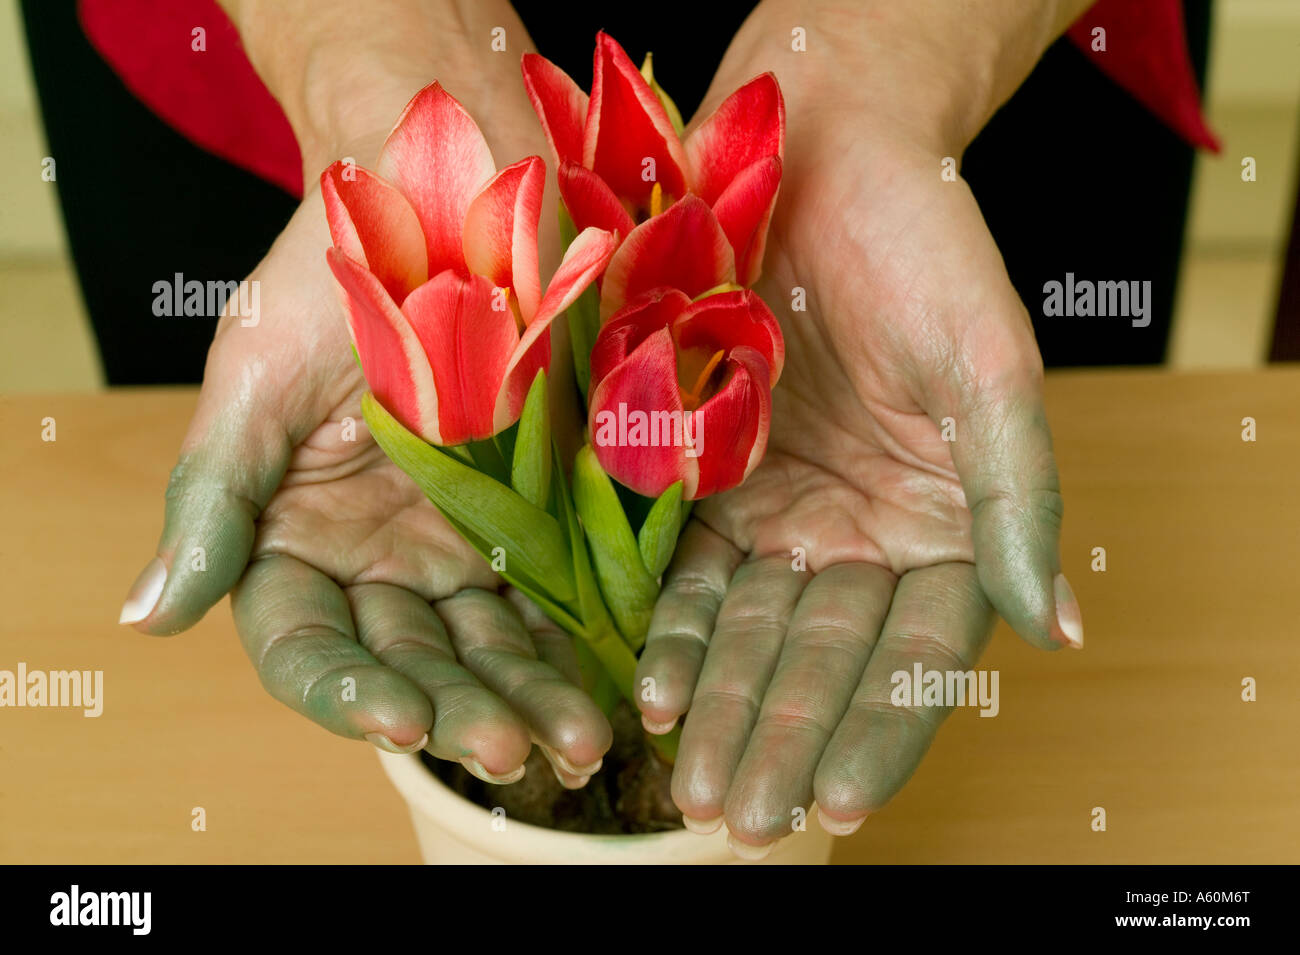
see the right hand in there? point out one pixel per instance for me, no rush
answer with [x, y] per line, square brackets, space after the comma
[359, 605]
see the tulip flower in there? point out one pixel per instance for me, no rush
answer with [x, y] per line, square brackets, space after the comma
[621, 159]
[435, 253]
[681, 390]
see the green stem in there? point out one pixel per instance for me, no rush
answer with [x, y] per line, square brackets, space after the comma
[607, 646]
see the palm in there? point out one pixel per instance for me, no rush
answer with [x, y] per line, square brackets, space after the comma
[910, 388]
[855, 469]
[347, 510]
[358, 603]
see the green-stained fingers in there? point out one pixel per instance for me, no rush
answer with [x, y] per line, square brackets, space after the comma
[471, 724]
[492, 642]
[940, 620]
[743, 653]
[553, 645]
[1002, 450]
[682, 625]
[297, 629]
[216, 491]
[830, 639]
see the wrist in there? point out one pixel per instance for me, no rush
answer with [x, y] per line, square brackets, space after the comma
[343, 77]
[934, 74]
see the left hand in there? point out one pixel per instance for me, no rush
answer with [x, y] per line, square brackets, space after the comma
[911, 538]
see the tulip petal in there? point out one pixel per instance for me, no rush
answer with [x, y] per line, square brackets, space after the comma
[469, 344]
[374, 225]
[584, 260]
[645, 385]
[744, 210]
[586, 257]
[729, 320]
[560, 106]
[631, 325]
[636, 128]
[747, 127]
[438, 158]
[392, 358]
[590, 201]
[733, 424]
[683, 248]
[500, 239]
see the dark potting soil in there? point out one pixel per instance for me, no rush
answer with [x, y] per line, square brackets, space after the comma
[629, 794]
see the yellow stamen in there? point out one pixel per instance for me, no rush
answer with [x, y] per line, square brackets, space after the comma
[691, 399]
[719, 289]
[656, 200]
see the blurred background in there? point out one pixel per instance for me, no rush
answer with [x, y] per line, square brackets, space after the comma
[1225, 305]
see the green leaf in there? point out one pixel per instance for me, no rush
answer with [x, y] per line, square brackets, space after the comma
[591, 606]
[487, 458]
[493, 514]
[596, 680]
[674, 114]
[629, 589]
[598, 631]
[461, 453]
[527, 586]
[583, 316]
[530, 473]
[658, 536]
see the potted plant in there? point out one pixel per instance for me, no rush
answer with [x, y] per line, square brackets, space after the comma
[673, 364]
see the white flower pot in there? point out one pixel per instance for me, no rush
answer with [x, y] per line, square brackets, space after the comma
[453, 830]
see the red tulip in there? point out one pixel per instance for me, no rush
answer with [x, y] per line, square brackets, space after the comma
[604, 145]
[681, 390]
[436, 256]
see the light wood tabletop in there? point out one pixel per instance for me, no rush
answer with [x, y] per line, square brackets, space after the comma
[1201, 532]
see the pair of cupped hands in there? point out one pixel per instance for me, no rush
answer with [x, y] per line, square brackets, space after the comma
[909, 468]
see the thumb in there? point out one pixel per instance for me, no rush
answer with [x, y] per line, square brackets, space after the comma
[232, 459]
[1002, 449]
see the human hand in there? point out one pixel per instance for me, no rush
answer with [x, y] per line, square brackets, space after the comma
[912, 329]
[359, 605]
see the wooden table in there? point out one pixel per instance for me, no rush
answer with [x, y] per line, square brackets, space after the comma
[1202, 537]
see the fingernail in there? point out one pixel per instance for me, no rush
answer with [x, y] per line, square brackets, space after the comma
[657, 729]
[745, 851]
[388, 746]
[567, 780]
[144, 593]
[557, 759]
[478, 770]
[839, 827]
[704, 827]
[1068, 618]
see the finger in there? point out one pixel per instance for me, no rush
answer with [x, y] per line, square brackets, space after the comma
[491, 641]
[939, 619]
[471, 724]
[232, 459]
[553, 645]
[682, 624]
[1003, 454]
[742, 655]
[214, 495]
[830, 639]
[297, 629]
